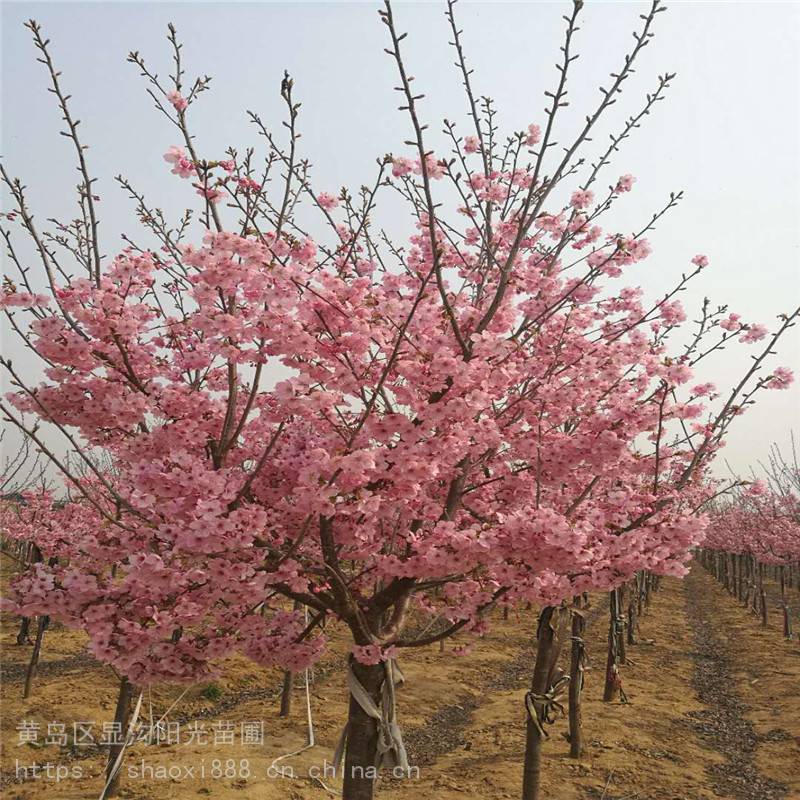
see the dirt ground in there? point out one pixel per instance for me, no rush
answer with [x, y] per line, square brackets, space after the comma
[714, 712]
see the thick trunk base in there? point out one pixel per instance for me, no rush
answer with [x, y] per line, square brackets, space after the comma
[362, 737]
[23, 635]
[122, 719]
[286, 694]
[544, 673]
[576, 687]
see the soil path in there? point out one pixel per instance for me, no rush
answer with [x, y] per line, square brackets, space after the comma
[712, 694]
[723, 721]
[446, 730]
[647, 750]
[17, 672]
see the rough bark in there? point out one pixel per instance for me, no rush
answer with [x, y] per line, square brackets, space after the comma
[23, 635]
[286, 693]
[632, 614]
[362, 737]
[576, 686]
[612, 683]
[288, 681]
[121, 719]
[37, 649]
[547, 651]
[787, 619]
[621, 625]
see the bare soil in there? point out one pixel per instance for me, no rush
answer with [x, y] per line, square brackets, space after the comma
[713, 713]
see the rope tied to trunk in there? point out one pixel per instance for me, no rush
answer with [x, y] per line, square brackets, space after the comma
[584, 662]
[390, 750]
[545, 709]
[616, 678]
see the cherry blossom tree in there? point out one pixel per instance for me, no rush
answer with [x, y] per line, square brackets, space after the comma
[21, 470]
[312, 413]
[44, 529]
[755, 530]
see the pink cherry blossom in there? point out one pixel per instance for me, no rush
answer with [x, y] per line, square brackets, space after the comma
[402, 166]
[327, 201]
[179, 102]
[534, 135]
[781, 378]
[581, 199]
[731, 323]
[754, 333]
[624, 184]
[181, 165]
[214, 194]
[471, 144]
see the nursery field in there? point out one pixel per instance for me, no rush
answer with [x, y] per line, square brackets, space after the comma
[713, 712]
[362, 428]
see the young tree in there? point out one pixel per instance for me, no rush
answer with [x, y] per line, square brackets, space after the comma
[757, 529]
[20, 471]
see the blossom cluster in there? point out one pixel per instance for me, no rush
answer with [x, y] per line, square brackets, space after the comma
[292, 416]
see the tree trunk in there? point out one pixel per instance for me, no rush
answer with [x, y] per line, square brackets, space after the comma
[787, 620]
[740, 577]
[547, 650]
[121, 719]
[362, 736]
[639, 593]
[611, 688]
[576, 686]
[748, 581]
[286, 693]
[288, 680]
[29, 555]
[23, 636]
[632, 615]
[745, 579]
[621, 625]
[37, 649]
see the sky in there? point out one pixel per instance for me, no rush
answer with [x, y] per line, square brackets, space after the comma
[728, 134]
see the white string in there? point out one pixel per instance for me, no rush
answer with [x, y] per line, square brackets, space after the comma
[118, 761]
[134, 718]
[310, 738]
[166, 713]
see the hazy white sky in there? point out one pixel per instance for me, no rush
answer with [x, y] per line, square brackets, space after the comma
[728, 133]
